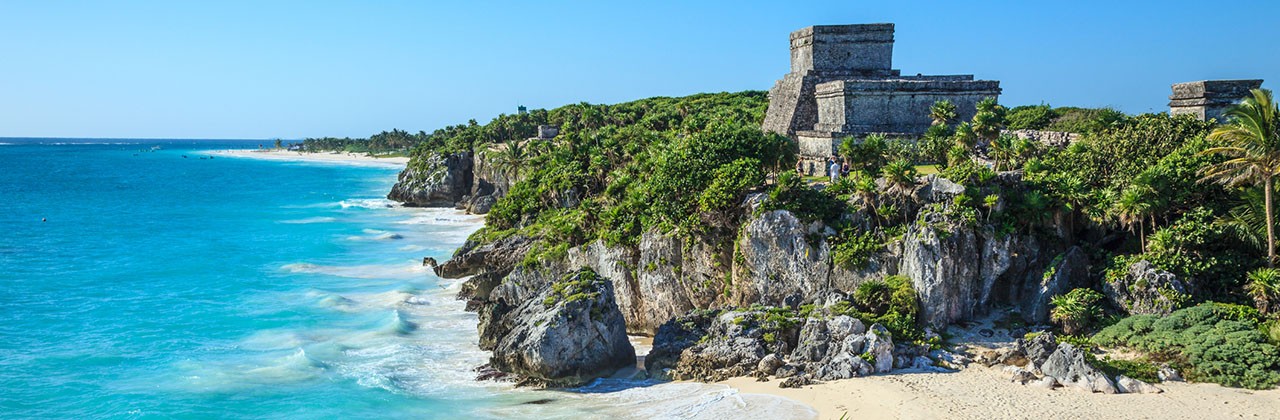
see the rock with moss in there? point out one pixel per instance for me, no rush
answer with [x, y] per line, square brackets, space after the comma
[1144, 289]
[781, 260]
[673, 337]
[734, 343]
[1065, 272]
[570, 334]
[434, 180]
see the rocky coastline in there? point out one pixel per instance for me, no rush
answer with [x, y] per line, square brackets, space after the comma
[772, 307]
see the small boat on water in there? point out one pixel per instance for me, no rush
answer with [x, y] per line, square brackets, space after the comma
[155, 148]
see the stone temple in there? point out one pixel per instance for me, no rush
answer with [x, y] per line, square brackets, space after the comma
[1209, 99]
[842, 83]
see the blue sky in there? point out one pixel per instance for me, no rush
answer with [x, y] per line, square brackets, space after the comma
[263, 69]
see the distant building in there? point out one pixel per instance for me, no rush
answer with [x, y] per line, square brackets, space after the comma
[1209, 99]
[842, 83]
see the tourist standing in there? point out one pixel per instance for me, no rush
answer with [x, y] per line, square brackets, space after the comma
[834, 170]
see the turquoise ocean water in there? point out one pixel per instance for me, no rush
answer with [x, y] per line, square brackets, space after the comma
[168, 284]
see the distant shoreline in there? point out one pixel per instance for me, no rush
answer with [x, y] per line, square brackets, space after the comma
[330, 157]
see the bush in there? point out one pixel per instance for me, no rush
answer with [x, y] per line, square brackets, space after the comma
[855, 250]
[1216, 342]
[1076, 311]
[1030, 117]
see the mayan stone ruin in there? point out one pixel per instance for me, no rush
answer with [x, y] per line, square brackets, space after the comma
[1209, 99]
[842, 83]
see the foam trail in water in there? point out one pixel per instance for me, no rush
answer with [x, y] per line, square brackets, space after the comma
[309, 220]
[413, 269]
[376, 235]
[367, 203]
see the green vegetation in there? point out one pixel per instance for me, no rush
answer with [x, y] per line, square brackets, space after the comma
[1066, 119]
[1077, 310]
[583, 284]
[1129, 189]
[1213, 342]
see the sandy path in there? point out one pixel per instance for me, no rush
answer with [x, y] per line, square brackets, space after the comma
[986, 393]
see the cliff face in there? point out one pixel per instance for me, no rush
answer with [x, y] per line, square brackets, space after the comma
[437, 180]
[959, 270]
[959, 273]
[460, 180]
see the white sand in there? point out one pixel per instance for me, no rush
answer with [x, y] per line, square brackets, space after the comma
[335, 157]
[986, 393]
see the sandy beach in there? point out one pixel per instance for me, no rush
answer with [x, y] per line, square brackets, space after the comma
[332, 157]
[986, 393]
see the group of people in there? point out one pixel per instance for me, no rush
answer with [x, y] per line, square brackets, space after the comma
[835, 168]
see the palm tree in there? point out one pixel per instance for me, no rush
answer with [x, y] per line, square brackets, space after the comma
[1131, 209]
[1252, 144]
[1264, 288]
[512, 159]
[989, 119]
[964, 136]
[864, 193]
[942, 112]
[900, 176]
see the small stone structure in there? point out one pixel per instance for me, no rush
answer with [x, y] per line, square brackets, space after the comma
[1045, 137]
[842, 84]
[1209, 99]
[547, 131]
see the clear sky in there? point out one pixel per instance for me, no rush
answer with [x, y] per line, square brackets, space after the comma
[263, 69]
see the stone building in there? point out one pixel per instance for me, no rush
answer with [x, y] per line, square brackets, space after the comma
[842, 83]
[1209, 99]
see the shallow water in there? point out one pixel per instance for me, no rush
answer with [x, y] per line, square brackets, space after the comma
[169, 284]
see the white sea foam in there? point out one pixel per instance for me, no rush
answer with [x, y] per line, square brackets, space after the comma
[309, 220]
[376, 235]
[412, 269]
[367, 203]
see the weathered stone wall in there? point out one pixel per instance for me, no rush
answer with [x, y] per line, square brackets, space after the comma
[895, 105]
[866, 48]
[1209, 99]
[1048, 138]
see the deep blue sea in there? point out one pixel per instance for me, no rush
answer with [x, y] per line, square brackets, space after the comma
[179, 283]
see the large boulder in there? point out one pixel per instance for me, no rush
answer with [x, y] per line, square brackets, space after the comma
[571, 334]
[1144, 289]
[832, 348]
[734, 344]
[673, 337]
[434, 180]
[493, 257]
[1068, 365]
[1127, 385]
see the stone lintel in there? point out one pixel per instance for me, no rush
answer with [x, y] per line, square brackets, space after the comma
[905, 86]
[866, 32]
[1234, 89]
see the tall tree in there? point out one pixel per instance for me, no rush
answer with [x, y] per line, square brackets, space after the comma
[1251, 141]
[989, 119]
[942, 112]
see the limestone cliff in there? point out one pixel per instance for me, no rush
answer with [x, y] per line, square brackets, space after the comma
[773, 258]
[465, 181]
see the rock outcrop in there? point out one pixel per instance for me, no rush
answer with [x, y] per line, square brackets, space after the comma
[434, 180]
[1067, 271]
[1146, 290]
[570, 333]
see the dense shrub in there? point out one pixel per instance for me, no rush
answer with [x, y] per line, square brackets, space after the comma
[1216, 342]
[1077, 310]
